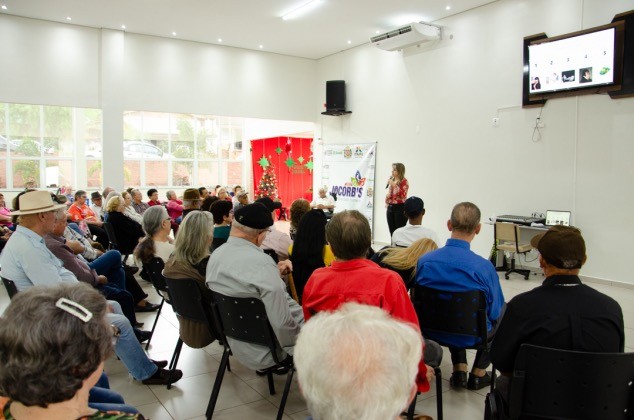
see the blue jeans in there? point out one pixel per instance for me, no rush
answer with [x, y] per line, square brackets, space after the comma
[102, 398]
[128, 348]
[109, 265]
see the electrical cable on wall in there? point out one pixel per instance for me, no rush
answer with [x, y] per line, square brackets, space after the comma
[536, 129]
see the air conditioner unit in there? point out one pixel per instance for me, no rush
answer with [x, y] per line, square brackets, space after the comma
[406, 36]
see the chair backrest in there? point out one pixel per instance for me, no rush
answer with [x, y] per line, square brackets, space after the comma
[187, 301]
[507, 233]
[10, 286]
[245, 319]
[154, 269]
[563, 384]
[112, 238]
[457, 313]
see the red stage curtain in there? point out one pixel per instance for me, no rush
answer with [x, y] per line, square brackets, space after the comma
[292, 160]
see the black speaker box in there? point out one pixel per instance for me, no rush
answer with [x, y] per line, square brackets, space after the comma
[336, 95]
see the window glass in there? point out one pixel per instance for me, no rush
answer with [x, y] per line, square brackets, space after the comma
[132, 172]
[58, 173]
[231, 173]
[3, 133]
[182, 173]
[93, 172]
[24, 129]
[133, 125]
[89, 123]
[26, 173]
[57, 136]
[3, 174]
[207, 138]
[208, 174]
[182, 136]
[156, 173]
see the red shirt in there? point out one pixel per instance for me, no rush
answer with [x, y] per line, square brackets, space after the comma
[154, 203]
[398, 193]
[361, 281]
[82, 212]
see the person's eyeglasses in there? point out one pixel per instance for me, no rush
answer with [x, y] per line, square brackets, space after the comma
[116, 333]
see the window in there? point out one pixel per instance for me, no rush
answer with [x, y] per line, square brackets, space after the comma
[39, 145]
[182, 150]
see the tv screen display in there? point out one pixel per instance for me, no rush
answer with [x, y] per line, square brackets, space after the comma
[587, 60]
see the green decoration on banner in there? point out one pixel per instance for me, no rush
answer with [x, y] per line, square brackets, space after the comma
[300, 159]
[309, 166]
[263, 162]
[278, 150]
[289, 162]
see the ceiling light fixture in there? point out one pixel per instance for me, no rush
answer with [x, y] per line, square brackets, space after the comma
[301, 9]
[4, 7]
[173, 33]
[122, 26]
[219, 39]
[349, 42]
[448, 8]
[261, 46]
[68, 18]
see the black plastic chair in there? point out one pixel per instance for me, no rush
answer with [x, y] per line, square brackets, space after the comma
[245, 319]
[10, 286]
[271, 253]
[112, 239]
[154, 270]
[187, 301]
[563, 384]
[460, 313]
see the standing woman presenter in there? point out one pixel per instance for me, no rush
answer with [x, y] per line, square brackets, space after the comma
[397, 186]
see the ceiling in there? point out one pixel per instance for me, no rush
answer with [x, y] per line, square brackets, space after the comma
[330, 26]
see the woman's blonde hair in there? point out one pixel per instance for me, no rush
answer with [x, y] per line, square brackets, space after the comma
[406, 258]
[400, 169]
[113, 203]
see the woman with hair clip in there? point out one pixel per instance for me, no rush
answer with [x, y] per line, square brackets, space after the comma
[156, 243]
[397, 186]
[309, 251]
[403, 260]
[48, 372]
[189, 261]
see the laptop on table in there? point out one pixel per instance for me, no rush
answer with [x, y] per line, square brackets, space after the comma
[557, 218]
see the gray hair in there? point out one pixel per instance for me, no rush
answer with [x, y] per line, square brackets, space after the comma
[170, 193]
[252, 232]
[42, 345]
[465, 217]
[357, 363]
[194, 237]
[111, 194]
[136, 191]
[153, 219]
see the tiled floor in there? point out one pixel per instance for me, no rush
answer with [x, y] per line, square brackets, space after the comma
[245, 395]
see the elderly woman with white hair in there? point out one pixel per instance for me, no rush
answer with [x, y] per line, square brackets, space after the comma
[156, 243]
[53, 344]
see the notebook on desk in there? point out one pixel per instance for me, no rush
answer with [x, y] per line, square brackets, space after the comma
[557, 218]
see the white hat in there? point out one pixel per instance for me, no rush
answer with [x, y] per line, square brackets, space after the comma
[36, 202]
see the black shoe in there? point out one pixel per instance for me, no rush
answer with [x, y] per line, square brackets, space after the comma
[148, 307]
[479, 382]
[281, 369]
[458, 379]
[162, 377]
[131, 269]
[143, 336]
[138, 325]
[160, 363]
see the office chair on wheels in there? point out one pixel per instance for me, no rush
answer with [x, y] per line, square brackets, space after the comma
[507, 236]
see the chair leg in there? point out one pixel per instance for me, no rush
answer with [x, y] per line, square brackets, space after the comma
[174, 361]
[438, 374]
[158, 313]
[217, 383]
[412, 408]
[269, 377]
[287, 389]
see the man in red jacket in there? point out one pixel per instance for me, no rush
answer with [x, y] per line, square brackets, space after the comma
[353, 278]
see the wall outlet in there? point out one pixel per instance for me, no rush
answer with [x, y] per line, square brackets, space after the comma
[495, 122]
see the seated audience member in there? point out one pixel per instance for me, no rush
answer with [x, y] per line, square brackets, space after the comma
[309, 251]
[189, 260]
[403, 260]
[413, 230]
[67, 191]
[324, 201]
[215, 191]
[174, 207]
[223, 194]
[222, 212]
[79, 211]
[127, 231]
[275, 240]
[203, 192]
[156, 243]
[41, 383]
[111, 194]
[137, 201]
[128, 210]
[96, 206]
[106, 191]
[299, 208]
[191, 201]
[240, 200]
[37, 213]
[207, 202]
[353, 278]
[562, 313]
[153, 196]
[357, 363]
[5, 214]
[455, 268]
[236, 190]
[240, 268]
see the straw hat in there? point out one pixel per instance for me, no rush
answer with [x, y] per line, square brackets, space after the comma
[36, 202]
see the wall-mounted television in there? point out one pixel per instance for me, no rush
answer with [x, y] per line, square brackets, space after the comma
[588, 61]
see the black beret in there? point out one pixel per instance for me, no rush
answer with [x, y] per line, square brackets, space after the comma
[270, 204]
[255, 216]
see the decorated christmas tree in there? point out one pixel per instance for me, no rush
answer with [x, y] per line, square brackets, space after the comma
[268, 182]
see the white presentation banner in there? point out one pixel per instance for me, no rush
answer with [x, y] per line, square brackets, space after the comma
[348, 174]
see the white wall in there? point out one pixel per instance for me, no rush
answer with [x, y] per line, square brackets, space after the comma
[431, 108]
